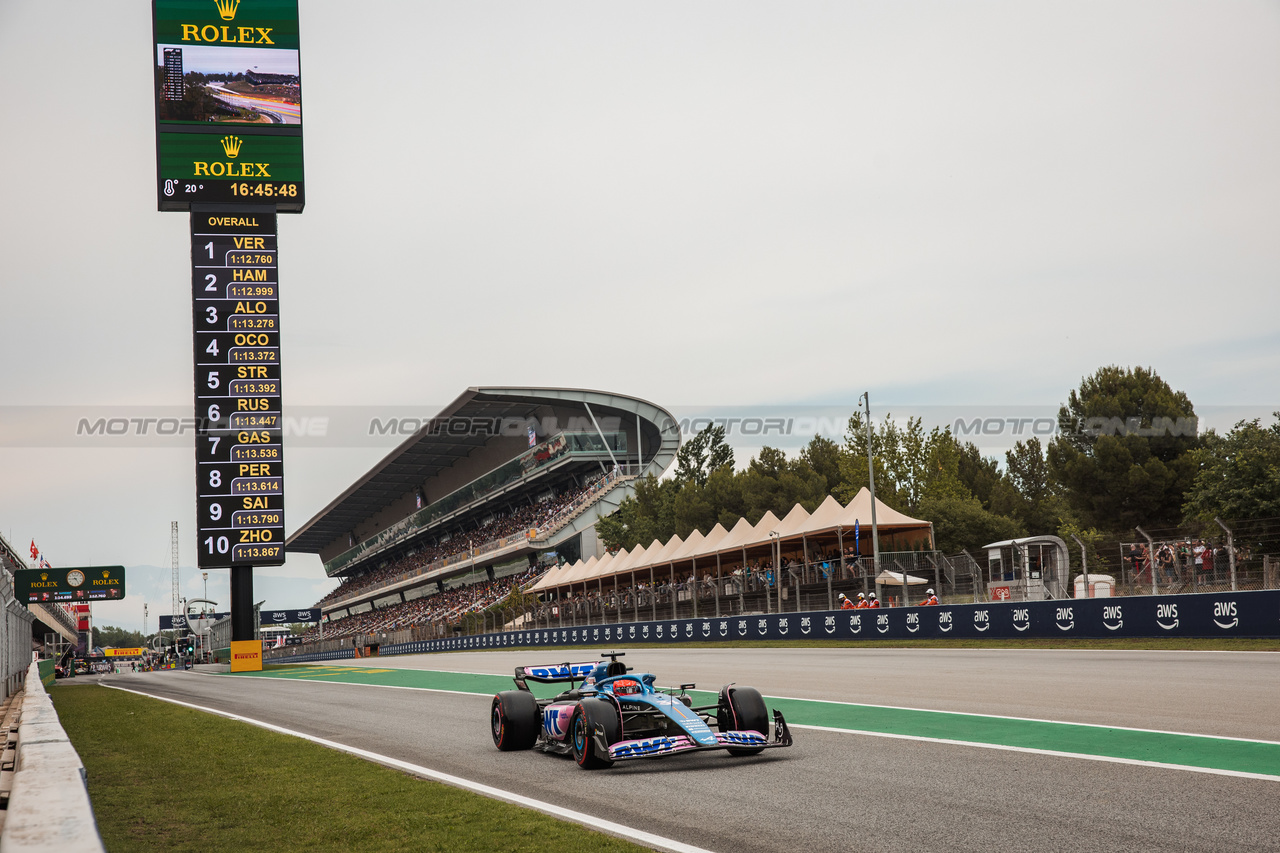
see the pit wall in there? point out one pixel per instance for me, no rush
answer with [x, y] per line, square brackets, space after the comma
[49, 809]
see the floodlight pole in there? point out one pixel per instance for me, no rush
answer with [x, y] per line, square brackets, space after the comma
[776, 554]
[1084, 564]
[831, 602]
[1231, 553]
[1151, 559]
[875, 531]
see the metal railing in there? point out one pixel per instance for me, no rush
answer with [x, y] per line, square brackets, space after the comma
[596, 491]
[15, 637]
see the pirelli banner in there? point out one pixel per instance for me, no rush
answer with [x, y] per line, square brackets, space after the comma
[246, 656]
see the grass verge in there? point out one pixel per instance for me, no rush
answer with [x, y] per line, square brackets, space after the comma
[165, 778]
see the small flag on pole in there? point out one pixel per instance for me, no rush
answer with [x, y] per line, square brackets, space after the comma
[35, 552]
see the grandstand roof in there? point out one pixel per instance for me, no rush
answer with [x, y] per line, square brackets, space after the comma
[429, 452]
[796, 525]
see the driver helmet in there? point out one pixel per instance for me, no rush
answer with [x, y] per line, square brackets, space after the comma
[626, 687]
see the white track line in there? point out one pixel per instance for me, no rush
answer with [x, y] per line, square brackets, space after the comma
[628, 833]
[948, 741]
[840, 703]
[1052, 752]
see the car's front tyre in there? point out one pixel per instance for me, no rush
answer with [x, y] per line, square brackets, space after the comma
[742, 709]
[589, 714]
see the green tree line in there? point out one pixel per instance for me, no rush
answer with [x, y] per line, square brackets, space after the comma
[1128, 451]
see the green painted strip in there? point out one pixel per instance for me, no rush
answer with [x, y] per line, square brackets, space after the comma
[1135, 745]
[459, 682]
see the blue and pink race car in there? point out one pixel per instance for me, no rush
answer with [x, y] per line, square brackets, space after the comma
[617, 715]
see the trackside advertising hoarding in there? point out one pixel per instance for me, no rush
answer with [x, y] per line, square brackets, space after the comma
[179, 622]
[1211, 614]
[265, 617]
[246, 656]
[228, 96]
[288, 617]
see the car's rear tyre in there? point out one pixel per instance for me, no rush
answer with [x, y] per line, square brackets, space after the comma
[514, 720]
[742, 709]
[589, 714]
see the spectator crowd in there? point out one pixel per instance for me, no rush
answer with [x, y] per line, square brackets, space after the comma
[463, 543]
[1182, 561]
[447, 606]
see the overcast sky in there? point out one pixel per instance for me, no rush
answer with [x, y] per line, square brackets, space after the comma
[958, 207]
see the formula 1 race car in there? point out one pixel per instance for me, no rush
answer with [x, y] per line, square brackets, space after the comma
[615, 715]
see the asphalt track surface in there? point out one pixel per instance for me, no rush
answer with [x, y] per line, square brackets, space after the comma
[844, 790]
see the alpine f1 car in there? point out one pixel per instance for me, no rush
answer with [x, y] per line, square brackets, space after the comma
[615, 715]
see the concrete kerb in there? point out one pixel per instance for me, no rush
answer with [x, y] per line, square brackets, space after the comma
[49, 808]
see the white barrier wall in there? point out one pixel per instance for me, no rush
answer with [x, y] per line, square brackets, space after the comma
[49, 809]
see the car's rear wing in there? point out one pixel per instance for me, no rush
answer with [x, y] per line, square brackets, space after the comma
[554, 673]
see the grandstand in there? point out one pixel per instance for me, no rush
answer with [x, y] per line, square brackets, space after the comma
[502, 482]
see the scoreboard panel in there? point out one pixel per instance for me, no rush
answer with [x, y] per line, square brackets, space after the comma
[67, 586]
[228, 103]
[246, 166]
[239, 446]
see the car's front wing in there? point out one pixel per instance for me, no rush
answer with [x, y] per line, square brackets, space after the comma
[655, 747]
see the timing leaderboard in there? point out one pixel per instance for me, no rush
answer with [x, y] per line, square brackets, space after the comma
[239, 451]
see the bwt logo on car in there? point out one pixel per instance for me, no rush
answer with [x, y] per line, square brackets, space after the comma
[748, 738]
[576, 670]
[555, 720]
[648, 746]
